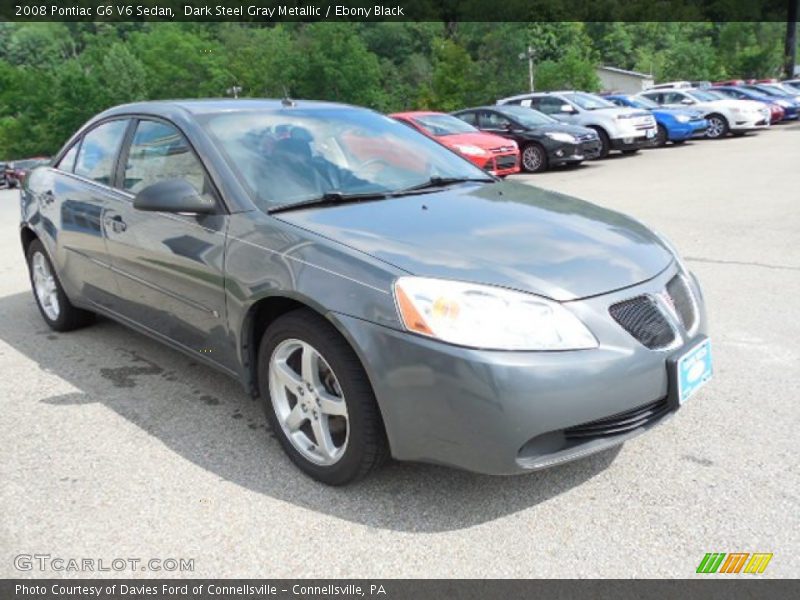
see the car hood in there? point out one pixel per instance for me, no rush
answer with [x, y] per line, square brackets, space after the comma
[692, 114]
[504, 234]
[487, 141]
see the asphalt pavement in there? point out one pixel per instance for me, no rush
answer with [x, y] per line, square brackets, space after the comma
[114, 446]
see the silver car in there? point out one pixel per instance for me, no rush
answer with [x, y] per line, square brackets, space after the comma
[378, 293]
[623, 129]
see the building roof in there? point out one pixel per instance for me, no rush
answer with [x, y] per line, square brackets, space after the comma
[626, 72]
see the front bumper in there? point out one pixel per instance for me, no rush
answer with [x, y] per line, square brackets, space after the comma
[684, 131]
[506, 412]
[749, 122]
[574, 153]
[632, 143]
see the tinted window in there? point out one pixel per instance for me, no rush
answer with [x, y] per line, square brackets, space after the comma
[67, 162]
[468, 117]
[549, 105]
[99, 151]
[493, 120]
[159, 151]
[527, 117]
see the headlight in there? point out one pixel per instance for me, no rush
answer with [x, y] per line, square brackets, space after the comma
[471, 150]
[481, 316]
[683, 118]
[562, 137]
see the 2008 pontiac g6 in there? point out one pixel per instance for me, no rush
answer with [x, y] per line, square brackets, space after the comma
[378, 292]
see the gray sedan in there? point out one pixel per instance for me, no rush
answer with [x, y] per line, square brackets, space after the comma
[380, 294]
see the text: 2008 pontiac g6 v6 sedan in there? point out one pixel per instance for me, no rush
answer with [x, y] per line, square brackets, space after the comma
[381, 294]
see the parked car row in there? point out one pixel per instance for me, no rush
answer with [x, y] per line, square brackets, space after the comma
[538, 130]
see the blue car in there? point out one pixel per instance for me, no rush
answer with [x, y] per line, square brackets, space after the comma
[791, 109]
[675, 125]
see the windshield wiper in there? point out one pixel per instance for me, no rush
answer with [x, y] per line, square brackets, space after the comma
[436, 182]
[331, 198]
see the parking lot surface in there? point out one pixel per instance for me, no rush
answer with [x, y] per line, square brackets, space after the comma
[112, 445]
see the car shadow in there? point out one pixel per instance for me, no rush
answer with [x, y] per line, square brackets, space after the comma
[206, 418]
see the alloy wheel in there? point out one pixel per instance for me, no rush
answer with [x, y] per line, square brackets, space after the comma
[532, 158]
[44, 284]
[715, 127]
[308, 402]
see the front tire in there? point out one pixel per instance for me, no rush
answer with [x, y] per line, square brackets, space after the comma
[605, 142]
[661, 137]
[717, 127]
[534, 158]
[56, 309]
[318, 399]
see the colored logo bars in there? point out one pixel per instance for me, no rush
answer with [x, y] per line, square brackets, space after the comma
[719, 562]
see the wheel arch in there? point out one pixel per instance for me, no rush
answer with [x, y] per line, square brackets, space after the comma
[264, 312]
[27, 237]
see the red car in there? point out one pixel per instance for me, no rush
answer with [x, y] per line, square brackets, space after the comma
[17, 170]
[776, 113]
[498, 155]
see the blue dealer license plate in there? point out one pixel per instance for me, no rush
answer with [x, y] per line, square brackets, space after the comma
[694, 370]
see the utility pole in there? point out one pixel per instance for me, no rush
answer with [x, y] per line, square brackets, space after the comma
[529, 55]
[790, 47]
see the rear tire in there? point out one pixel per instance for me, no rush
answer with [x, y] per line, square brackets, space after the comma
[56, 309]
[605, 142]
[352, 440]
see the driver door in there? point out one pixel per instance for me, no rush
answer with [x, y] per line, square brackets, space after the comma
[169, 266]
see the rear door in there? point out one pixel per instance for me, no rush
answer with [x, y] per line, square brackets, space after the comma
[169, 266]
[73, 209]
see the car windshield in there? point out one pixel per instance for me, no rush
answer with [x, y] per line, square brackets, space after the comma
[527, 117]
[642, 102]
[769, 91]
[443, 124]
[778, 91]
[588, 101]
[702, 96]
[718, 94]
[294, 155]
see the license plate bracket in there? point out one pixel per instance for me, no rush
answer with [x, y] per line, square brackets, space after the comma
[689, 370]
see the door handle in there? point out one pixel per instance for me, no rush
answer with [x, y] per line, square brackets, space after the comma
[116, 223]
[48, 197]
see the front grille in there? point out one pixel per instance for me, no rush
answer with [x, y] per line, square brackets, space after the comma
[644, 321]
[505, 162]
[681, 296]
[620, 423]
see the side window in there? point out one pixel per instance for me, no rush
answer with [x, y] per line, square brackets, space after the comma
[469, 117]
[159, 151]
[673, 98]
[67, 162]
[655, 97]
[99, 151]
[492, 120]
[549, 105]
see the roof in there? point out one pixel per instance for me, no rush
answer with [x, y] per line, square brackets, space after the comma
[410, 114]
[626, 72]
[215, 105]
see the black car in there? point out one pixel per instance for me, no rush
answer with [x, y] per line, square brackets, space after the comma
[543, 141]
[3, 181]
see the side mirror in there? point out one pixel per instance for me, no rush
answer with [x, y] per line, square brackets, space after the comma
[567, 108]
[174, 196]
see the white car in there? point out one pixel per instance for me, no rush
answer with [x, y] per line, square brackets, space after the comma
[724, 116]
[623, 129]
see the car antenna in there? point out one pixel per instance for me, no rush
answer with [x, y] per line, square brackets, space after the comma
[287, 102]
